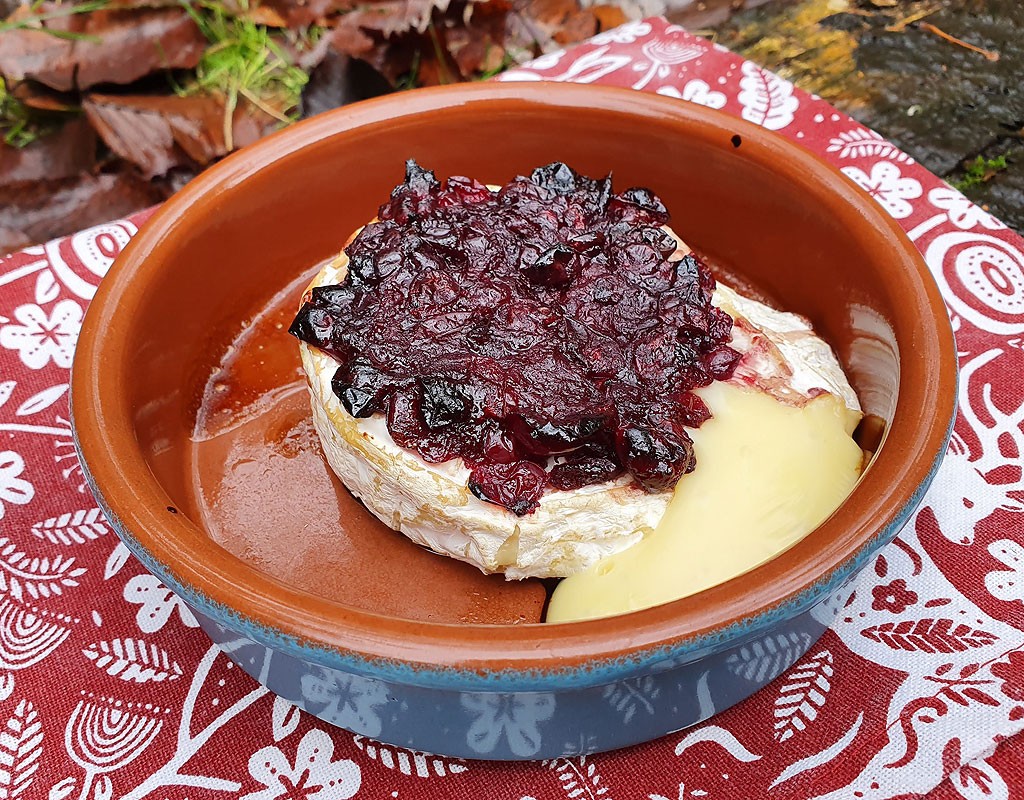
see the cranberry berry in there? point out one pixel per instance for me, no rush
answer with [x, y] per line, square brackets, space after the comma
[545, 333]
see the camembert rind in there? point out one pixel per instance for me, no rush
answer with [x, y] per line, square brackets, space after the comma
[432, 505]
[570, 531]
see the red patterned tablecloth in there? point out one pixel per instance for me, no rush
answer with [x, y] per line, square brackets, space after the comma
[109, 690]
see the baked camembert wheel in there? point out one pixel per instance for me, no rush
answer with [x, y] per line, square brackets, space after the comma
[511, 376]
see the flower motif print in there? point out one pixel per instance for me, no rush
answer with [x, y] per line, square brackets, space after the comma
[979, 779]
[13, 489]
[894, 597]
[696, 91]
[962, 212]
[517, 718]
[1007, 584]
[887, 185]
[40, 338]
[315, 775]
[349, 701]
[623, 34]
[1011, 673]
[545, 62]
[156, 603]
[662, 55]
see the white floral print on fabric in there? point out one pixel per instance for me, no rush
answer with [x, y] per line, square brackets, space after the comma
[662, 56]
[887, 185]
[624, 34]
[156, 604]
[767, 99]
[13, 488]
[40, 338]
[962, 212]
[696, 91]
[1007, 584]
[314, 775]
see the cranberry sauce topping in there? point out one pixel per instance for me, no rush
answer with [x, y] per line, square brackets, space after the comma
[543, 333]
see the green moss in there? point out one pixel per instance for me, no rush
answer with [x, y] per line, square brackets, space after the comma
[20, 125]
[244, 60]
[979, 171]
[34, 21]
[792, 42]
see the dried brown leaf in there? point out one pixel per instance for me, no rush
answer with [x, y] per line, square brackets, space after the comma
[139, 129]
[158, 133]
[392, 17]
[43, 99]
[122, 46]
[477, 45]
[41, 210]
[577, 27]
[609, 16]
[11, 240]
[304, 12]
[536, 23]
[550, 13]
[524, 39]
[62, 154]
[350, 39]
[266, 15]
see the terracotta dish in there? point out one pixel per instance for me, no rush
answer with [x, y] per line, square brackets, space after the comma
[193, 424]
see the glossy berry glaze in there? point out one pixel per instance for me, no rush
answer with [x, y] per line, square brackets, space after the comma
[544, 333]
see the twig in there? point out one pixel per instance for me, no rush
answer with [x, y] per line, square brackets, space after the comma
[442, 65]
[917, 16]
[991, 55]
[230, 102]
[266, 109]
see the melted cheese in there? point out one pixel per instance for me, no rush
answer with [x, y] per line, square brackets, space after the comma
[768, 474]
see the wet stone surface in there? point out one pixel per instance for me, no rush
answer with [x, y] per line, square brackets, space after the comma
[889, 66]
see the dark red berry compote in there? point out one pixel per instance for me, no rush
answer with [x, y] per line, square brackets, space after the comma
[546, 333]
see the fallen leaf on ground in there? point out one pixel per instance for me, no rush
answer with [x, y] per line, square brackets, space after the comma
[577, 27]
[349, 38]
[158, 133]
[289, 13]
[478, 44]
[62, 154]
[42, 98]
[11, 240]
[539, 22]
[392, 17]
[113, 47]
[609, 17]
[39, 211]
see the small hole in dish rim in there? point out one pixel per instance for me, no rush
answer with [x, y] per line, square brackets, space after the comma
[172, 509]
[736, 140]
